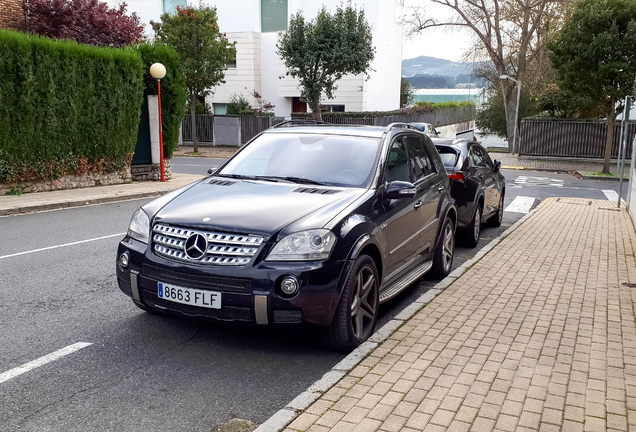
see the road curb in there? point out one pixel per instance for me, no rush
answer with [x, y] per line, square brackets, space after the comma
[78, 203]
[603, 178]
[300, 403]
[555, 170]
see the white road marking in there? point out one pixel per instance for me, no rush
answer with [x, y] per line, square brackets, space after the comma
[62, 245]
[538, 181]
[6, 376]
[520, 204]
[611, 195]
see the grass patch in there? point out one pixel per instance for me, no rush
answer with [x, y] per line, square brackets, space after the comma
[602, 174]
[17, 191]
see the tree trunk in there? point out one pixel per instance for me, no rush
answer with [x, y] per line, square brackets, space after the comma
[315, 110]
[193, 103]
[611, 118]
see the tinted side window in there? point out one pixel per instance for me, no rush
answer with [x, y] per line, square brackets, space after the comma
[485, 156]
[421, 164]
[475, 157]
[398, 164]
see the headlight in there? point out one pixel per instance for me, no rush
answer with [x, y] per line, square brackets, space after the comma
[312, 245]
[139, 226]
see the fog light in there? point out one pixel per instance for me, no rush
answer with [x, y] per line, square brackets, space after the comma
[124, 259]
[289, 285]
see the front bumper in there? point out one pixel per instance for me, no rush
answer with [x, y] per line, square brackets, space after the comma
[249, 293]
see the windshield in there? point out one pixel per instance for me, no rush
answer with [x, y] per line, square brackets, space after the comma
[448, 155]
[331, 159]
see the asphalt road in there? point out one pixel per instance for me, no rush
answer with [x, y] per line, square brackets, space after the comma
[194, 165]
[149, 373]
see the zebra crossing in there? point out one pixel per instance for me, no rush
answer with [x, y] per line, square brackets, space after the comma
[522, 181]
[524, 204]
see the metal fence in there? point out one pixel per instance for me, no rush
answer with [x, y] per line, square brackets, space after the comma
[250, 126]
[571, 138]
[205, 128]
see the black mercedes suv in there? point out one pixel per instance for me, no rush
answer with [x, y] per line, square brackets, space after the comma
[313, 223]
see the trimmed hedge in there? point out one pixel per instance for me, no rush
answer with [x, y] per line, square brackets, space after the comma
[442, 105]
[418, 108]
[174, 96]
[64, 105]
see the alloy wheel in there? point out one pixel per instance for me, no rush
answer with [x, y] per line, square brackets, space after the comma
[364, 304]
[477, 224]
[449, 245]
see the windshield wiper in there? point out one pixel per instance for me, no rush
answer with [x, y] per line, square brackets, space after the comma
[247, 177]
[304, 180]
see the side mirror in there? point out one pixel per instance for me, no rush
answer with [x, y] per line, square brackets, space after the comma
[401, 190]
[497, 166]
[212, 170]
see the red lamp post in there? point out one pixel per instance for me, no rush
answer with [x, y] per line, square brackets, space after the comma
[158, 71]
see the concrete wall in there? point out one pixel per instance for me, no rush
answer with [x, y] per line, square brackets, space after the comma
[11, 14]
[246, 77]
[147, 10]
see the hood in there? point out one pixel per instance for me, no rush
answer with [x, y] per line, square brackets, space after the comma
[256, 207]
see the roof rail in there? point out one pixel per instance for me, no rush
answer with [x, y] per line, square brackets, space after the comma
[401, 125]
[297, 122]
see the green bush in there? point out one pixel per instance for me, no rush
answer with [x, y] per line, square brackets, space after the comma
[442, 105]
[417, 108]
[61, 101]
[239, 105]
[173, 91]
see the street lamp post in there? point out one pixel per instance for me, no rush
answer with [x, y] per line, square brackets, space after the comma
[514, 137]
[158, 71]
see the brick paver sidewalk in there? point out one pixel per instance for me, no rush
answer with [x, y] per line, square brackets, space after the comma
[563, 164]
[540, 334]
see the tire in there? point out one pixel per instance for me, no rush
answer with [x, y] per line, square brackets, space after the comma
[357, 313]
[445, 250]
[495, 221]
[473, 230]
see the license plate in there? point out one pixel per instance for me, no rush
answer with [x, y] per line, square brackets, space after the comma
[189, 296]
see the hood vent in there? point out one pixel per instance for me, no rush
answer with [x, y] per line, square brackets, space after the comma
[221, 182]
[312, 190]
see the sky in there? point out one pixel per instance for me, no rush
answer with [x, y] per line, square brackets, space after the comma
[440, 42]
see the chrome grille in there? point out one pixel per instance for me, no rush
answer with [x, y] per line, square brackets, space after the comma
[222, 248]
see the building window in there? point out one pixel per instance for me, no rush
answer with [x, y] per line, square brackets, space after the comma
[273, 15]
[220, 109]
[170, 6]
[232, 63]
[332, 108]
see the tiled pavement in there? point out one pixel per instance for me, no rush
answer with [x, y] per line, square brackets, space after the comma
[539, 334]
[563, 164]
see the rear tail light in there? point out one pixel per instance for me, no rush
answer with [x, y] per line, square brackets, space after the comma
[456, 176]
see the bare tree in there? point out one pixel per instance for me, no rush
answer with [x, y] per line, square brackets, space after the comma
[511, 33]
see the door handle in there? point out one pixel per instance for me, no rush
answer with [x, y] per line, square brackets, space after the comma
[481, 176]
[441, 188]
[417, 205]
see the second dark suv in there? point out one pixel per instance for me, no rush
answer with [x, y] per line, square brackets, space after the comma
[305, 224]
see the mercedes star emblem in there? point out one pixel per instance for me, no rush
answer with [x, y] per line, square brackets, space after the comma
[195, 246]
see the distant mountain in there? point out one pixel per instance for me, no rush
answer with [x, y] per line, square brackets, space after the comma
[434, 66]
[435, 73]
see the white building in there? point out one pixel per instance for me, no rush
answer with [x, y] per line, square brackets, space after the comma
[255, 25]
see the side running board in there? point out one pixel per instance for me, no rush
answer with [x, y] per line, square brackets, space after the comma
[399, 285]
